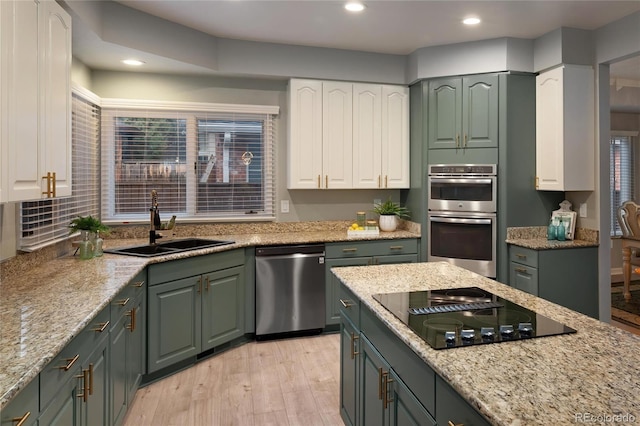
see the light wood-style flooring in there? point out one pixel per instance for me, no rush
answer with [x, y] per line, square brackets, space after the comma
[292, 381]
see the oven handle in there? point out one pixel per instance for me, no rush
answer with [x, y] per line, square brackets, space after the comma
[460, 220]
[462, 180]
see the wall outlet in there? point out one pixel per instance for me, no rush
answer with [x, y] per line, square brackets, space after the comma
[583, 209]
[284, 206]
[376, 201]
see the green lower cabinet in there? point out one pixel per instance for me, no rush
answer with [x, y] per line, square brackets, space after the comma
[404, 408]
[65, 408]
[135, 348]
[349, 374]
[223, 307]
[333, 285]
[174, 322]
[118, 371]
[96, 409]
[23, 408]
[451, 408]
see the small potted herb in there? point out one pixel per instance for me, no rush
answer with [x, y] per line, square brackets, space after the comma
[389, 211]
[87, 223]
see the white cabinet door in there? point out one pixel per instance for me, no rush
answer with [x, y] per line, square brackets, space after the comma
[395, 137]
[20, 101]
[337, 135]
[367, 136]
[565, 145]
[305, 135]
[56, 84]
[35, 99]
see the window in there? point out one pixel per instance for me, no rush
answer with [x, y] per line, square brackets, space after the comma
[206, 161]
[622, 175]
[45, 221]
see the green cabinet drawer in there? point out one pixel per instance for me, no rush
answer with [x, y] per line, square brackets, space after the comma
[197, 265]
[523, 255]
[371, 248]
[23, 406]
[349, 305]
[523, 278]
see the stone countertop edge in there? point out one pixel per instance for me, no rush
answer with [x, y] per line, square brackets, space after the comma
[549, 380]
[535, 238]
[43, 308]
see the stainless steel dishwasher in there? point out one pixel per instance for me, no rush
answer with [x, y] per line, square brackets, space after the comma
[290, 289]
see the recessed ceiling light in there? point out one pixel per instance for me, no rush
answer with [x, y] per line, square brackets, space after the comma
[471, 21]
[132, 62]
[354, 6]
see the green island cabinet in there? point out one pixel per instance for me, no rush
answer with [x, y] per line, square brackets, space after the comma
[463, 112]
[361, 253]
[195, 304]
[383, 382]
[128, 355]
[566, 276]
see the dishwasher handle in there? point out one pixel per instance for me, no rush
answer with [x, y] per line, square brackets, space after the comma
[313, 249]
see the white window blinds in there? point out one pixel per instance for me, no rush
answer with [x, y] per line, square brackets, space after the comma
[46, 221]
[622, 174]
[206, 161]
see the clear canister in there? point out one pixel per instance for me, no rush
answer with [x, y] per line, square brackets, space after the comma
[361, 218]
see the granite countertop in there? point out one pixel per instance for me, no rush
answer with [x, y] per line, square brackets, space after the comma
[549, 380]
[535, 238]
[43, 307]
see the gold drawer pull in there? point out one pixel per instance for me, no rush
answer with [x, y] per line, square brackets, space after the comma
[85, 385]
[90, 385]
[396, 247]
[138, 284]
[349, 250]
[353, 345]
[521, 256]
[521, 270]
[22, 419]
[101, 327]
[450, 423]
[132, 314]
[70, 362]
[319, 182]
[123, 302]
[346, 303]
[385, 390]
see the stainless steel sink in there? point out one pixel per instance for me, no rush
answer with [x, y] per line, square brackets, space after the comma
[168, 247]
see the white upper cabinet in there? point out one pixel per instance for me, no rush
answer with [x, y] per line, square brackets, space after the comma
[565, 142]
[361, 131]
[35, 108]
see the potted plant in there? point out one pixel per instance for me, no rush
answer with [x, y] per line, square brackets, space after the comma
[389, 211]
[87, 223]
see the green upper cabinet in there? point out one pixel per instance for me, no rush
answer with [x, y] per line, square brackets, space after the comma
[463, 112]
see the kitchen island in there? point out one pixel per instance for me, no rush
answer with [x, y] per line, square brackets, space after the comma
[589, 376]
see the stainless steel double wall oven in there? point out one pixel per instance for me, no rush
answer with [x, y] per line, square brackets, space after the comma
[462, 202]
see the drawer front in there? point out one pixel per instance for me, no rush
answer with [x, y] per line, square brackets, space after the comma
[523, 255]
[123, 302]
[523, 278]
[349, 305]
[371, 248]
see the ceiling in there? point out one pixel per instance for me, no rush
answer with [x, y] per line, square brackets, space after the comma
[385, 26]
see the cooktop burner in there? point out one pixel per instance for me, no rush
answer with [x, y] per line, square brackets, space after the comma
[451, 318]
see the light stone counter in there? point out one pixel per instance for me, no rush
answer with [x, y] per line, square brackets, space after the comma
[44, 304]
[544, 381]
[535, 238]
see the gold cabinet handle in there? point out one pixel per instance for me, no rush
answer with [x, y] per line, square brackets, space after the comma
[379, 181]
[132, 314]
[386, 181]
[138, 284]
[385, 391]
[123, 302]
[20, 420]
[521, 256]
[353, 345]
[48, 191]
[521, 270]
[350, 250]
[101, 327]
[85, 382]
[53, 186]
[465, 140]
[396, 247]
[199, 285]
[326, 181]
[206, 283]
[457, 140]
[380, 377]
[70, 362]
[450, 423]
[90, 385]
[319, 182]
[346, 303]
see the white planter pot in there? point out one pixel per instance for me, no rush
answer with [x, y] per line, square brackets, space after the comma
[388, 223]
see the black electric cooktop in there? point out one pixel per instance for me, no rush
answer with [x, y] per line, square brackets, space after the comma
[451, 318]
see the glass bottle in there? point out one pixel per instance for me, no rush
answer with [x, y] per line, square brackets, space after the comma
[361, 218]
[551, 231]
[85, 249]
[97, 246]
[560, 231]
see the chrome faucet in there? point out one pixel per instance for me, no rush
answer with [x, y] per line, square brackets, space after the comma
[154, 218]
